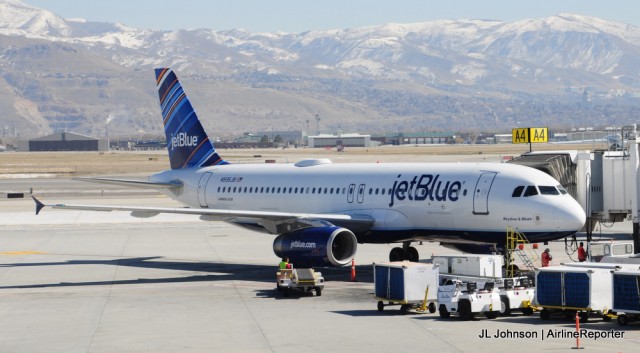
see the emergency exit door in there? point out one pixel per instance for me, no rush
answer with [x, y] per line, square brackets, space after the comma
[481, 193]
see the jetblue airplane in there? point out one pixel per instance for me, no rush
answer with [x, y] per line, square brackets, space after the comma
[320, 211]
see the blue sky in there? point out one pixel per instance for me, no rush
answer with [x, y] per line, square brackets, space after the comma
[301, 15]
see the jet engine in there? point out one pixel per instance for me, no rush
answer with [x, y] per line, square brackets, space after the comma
[317, 247]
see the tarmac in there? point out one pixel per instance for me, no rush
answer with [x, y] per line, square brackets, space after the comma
[74, 281]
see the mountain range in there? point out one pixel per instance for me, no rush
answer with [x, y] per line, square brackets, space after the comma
[453, 75]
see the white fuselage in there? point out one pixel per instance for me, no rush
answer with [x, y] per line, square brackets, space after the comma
[469, 202]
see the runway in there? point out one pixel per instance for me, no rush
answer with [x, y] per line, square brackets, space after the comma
[107, 282]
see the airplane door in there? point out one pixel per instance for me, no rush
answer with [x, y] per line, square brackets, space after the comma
[481, 194]
[361, 189]
[202, 189]
[352, 190]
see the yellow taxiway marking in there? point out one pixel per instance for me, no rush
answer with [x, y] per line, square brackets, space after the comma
[21, 253]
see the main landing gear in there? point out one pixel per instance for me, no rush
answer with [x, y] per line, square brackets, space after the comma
[406, 252]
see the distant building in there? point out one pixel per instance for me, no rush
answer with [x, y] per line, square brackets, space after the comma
[502, 139]
[344, 140]
[63, 141]
[416, 138]
[294, 137]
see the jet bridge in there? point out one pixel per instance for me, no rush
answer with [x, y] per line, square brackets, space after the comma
[605, 183]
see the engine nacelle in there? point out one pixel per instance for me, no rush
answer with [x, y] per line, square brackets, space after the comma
[317, 247]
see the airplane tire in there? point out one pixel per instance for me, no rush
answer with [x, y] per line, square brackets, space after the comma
[412, 254]
[380, 305]
[396, 254]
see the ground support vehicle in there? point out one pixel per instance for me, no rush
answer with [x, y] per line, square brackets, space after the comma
[577, 288]
[466, 300]
[626, 295]
[303, 279]
[516, 294]
[411, 285]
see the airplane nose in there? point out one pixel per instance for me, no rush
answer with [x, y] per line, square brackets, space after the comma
[571, 216]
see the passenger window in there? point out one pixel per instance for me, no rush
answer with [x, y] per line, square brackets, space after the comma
[548, 190]
[383, 189]
[370, 191]
[517, 191]
[530, 191]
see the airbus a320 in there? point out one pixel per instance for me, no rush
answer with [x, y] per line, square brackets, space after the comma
[321, 210]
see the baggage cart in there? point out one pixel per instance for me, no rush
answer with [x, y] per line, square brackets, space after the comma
[570, 289]
[411, 285]
[626, 295]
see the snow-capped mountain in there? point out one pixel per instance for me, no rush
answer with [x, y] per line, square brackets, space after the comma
[439, 75]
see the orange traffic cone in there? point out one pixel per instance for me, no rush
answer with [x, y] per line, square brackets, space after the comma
[353, 270]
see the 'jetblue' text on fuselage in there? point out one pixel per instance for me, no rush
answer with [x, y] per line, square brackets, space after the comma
[423, 187]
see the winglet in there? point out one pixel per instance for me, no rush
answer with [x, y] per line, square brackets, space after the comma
[39, 205]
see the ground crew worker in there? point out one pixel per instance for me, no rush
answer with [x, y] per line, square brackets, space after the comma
[582, 254]
[284, 263]
[546, 258]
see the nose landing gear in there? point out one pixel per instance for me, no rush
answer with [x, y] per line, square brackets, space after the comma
[406, 252]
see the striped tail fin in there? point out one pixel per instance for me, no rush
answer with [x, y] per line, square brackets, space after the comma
[187, 142]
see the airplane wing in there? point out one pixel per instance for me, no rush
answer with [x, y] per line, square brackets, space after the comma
[273, 222]
[133, 183]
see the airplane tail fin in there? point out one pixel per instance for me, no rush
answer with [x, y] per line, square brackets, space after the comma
[187, 142]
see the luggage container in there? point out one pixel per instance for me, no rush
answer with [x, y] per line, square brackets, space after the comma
[626, 295]
[408, 284]
[470, 265]
[571, 289]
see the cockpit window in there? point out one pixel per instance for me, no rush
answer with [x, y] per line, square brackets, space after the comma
[548, 190]
[562, 190]
[517, 191]
[530, 191]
